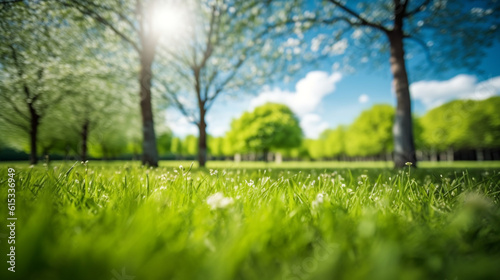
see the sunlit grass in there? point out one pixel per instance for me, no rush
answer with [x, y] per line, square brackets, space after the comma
[302, 221]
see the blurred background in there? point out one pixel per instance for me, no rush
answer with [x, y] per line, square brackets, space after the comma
[151, 80]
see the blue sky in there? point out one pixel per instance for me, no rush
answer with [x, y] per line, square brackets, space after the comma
[323, 98]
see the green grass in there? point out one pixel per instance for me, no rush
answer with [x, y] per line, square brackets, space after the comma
[90, 222]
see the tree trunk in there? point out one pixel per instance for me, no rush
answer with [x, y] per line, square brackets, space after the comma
[266, 154]
[149, 149]
[202, 139]
[479, 154]
[404, 147]
[278, 158]
[85, 135]
[34, 123]
[450, 156]
[434, 155]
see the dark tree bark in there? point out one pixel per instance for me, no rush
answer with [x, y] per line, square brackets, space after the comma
[147, 53]
[34, 123]
[202, 140]
[404, 146]
[149, 149]
[85, 135]
[202, 125]
[266, 154]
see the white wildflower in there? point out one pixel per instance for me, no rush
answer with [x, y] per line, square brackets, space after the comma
[318, 200]
[218, 200]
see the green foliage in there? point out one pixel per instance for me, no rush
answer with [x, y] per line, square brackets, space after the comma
[334, 140]
[97, 221]
[268, 127]
[314, 148]
[164, 143]
[484, 130]
[371, 132]
[216, 146]
[462, 124]
[190, 145]
[176, 146]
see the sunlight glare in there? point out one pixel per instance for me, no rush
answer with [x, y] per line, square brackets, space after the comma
[169, 20]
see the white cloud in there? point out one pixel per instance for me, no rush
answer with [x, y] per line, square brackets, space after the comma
[179, 124]
[363, 98]
[309, 91]
[312, 125]
[435, 93]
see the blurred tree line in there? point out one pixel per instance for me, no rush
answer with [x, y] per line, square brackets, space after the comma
[458, 130]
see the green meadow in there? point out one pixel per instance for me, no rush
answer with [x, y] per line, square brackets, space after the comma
[316, 220]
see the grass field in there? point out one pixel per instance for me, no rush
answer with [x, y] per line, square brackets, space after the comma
[297, 220]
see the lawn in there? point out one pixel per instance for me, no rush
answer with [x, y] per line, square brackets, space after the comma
[297, 220]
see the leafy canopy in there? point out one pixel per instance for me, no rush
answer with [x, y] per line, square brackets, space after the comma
[270, 126]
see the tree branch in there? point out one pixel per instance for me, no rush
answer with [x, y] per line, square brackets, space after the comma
[22, 127]
[14, 106]
[363, 21]
[173, 97]
[84, 10]
[422, 44]
[4, 2]
[417, 9]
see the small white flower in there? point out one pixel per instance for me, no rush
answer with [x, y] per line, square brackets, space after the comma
[249, 183]
[319, 198]
[181, 167]
[218, 200]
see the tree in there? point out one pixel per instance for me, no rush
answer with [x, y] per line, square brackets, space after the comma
[462, 124]
[315, 148]
[230, 48]
[485, 124]
[136, 23]
[190, 146]
[450, 33]
[176, 146]
[447, 126]
[36, 71]
[371, 132]
[165, 142]
[334, 141]
[215, 145]
[270, 126]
